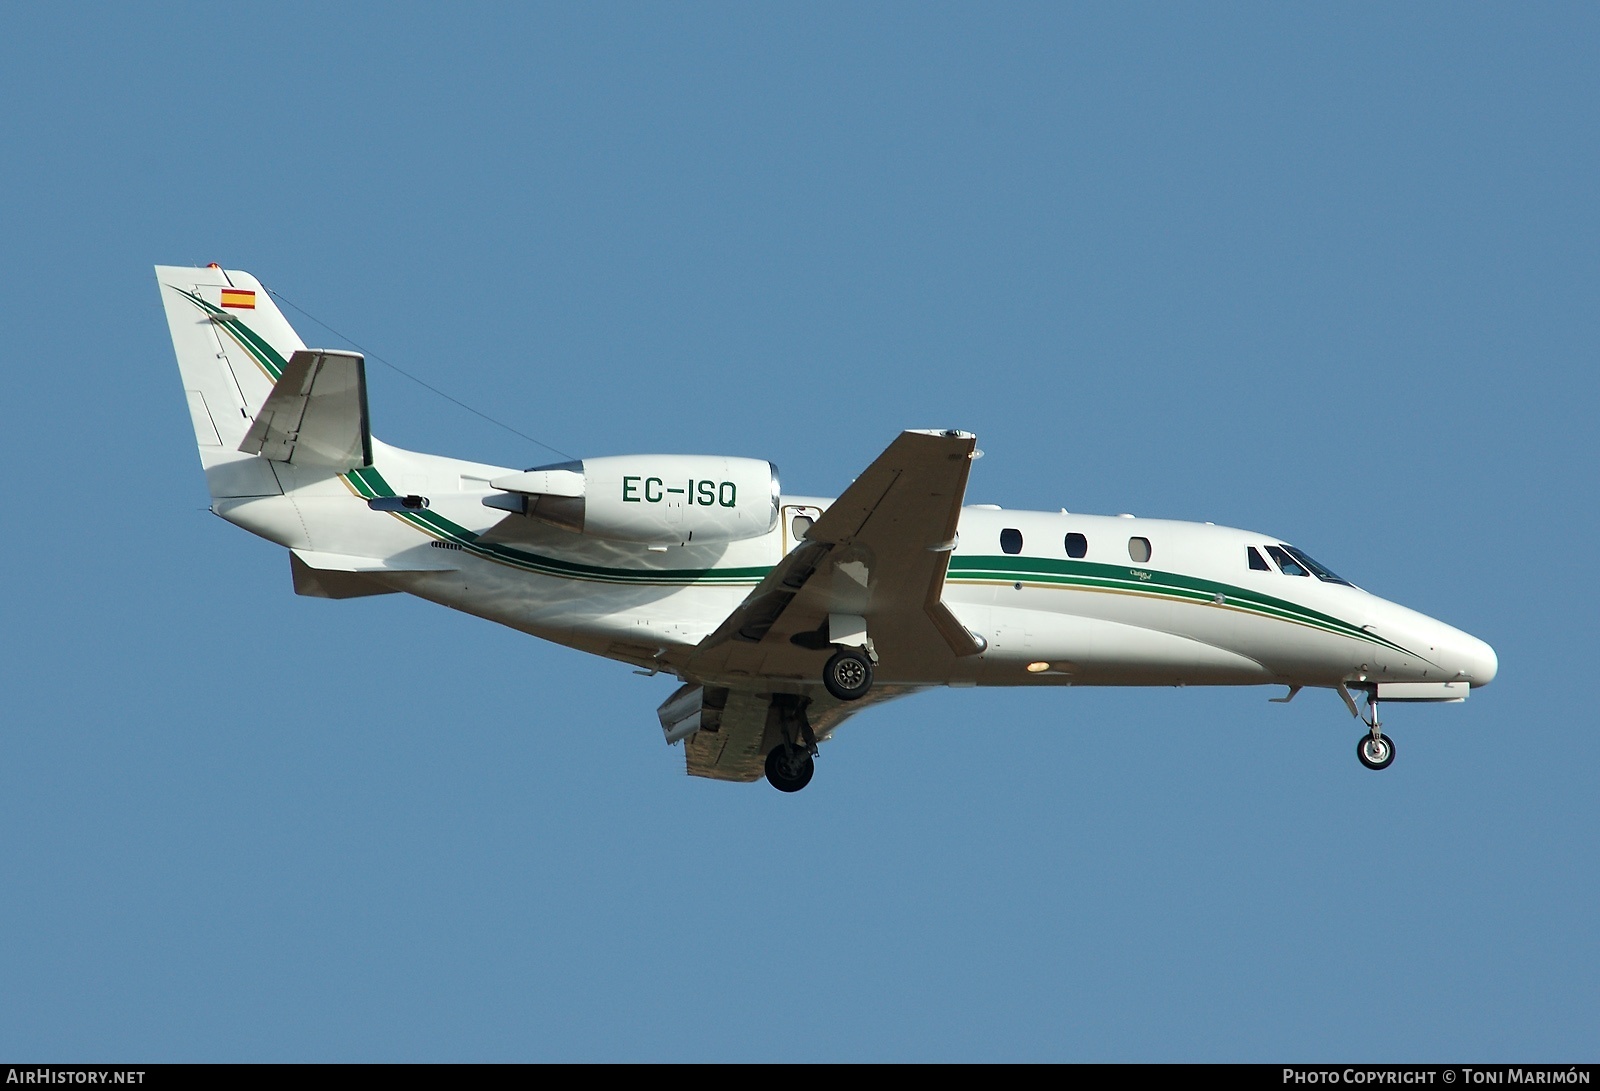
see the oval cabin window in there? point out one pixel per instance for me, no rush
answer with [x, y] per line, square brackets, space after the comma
[1077, 545]
[1011, 540]
[1139, 549]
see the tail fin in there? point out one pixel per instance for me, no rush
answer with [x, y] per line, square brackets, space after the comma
[232, 344]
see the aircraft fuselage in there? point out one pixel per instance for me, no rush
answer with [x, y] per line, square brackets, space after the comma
[1191, 612]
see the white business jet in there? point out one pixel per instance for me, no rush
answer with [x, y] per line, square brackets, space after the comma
[781, 615]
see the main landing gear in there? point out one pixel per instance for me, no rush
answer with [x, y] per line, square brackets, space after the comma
[848, 674]
[1375, 749]
[791, 763]
[789, 767]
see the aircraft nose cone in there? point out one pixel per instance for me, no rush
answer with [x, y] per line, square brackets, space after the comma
[1474, 659]
[1486, 664]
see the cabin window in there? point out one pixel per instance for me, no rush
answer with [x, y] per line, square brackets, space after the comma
[799, 525]
[1011, 540]
[1077, 545]
[1139, 549]
[1258, 563]
[1287, 564]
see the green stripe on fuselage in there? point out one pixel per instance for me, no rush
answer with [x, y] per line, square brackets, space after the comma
[1090, 576]
[1065, 574]
[370, 483]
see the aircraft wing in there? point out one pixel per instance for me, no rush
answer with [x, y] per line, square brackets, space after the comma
[316, 413]
[879, 553]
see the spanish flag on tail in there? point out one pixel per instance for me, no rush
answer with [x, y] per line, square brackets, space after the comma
[239, 298]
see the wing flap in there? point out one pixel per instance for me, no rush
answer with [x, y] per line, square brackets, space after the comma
[738, 727]
[733, 748]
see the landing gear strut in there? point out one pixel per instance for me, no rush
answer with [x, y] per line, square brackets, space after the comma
[1375, 749]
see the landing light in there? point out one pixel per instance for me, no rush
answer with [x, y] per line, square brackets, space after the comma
[1035, 668]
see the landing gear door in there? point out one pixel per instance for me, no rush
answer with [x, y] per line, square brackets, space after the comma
[797, 519]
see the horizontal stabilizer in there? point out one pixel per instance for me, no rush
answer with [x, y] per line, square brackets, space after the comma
[316, 414]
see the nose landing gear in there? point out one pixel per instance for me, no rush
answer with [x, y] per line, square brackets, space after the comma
[1375, 749]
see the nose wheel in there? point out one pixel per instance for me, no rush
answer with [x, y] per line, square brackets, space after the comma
[1375, 749]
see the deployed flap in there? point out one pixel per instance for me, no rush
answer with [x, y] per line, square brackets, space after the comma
[316, 414]
[879, 552]
[734, 750]
[736, 728]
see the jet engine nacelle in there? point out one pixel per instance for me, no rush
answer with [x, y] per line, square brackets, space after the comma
[652, 499]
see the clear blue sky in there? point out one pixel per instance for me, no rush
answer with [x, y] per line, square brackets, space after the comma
[1328, 273]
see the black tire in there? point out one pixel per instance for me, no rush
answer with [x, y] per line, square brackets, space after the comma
[1375, 753]
[789, 768]
[848, 674]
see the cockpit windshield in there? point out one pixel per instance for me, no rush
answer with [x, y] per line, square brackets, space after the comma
[1286, 564]
[1326, 575]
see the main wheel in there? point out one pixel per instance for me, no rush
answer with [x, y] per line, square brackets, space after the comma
[789, 768]
[848, 674]
[1375, 753]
